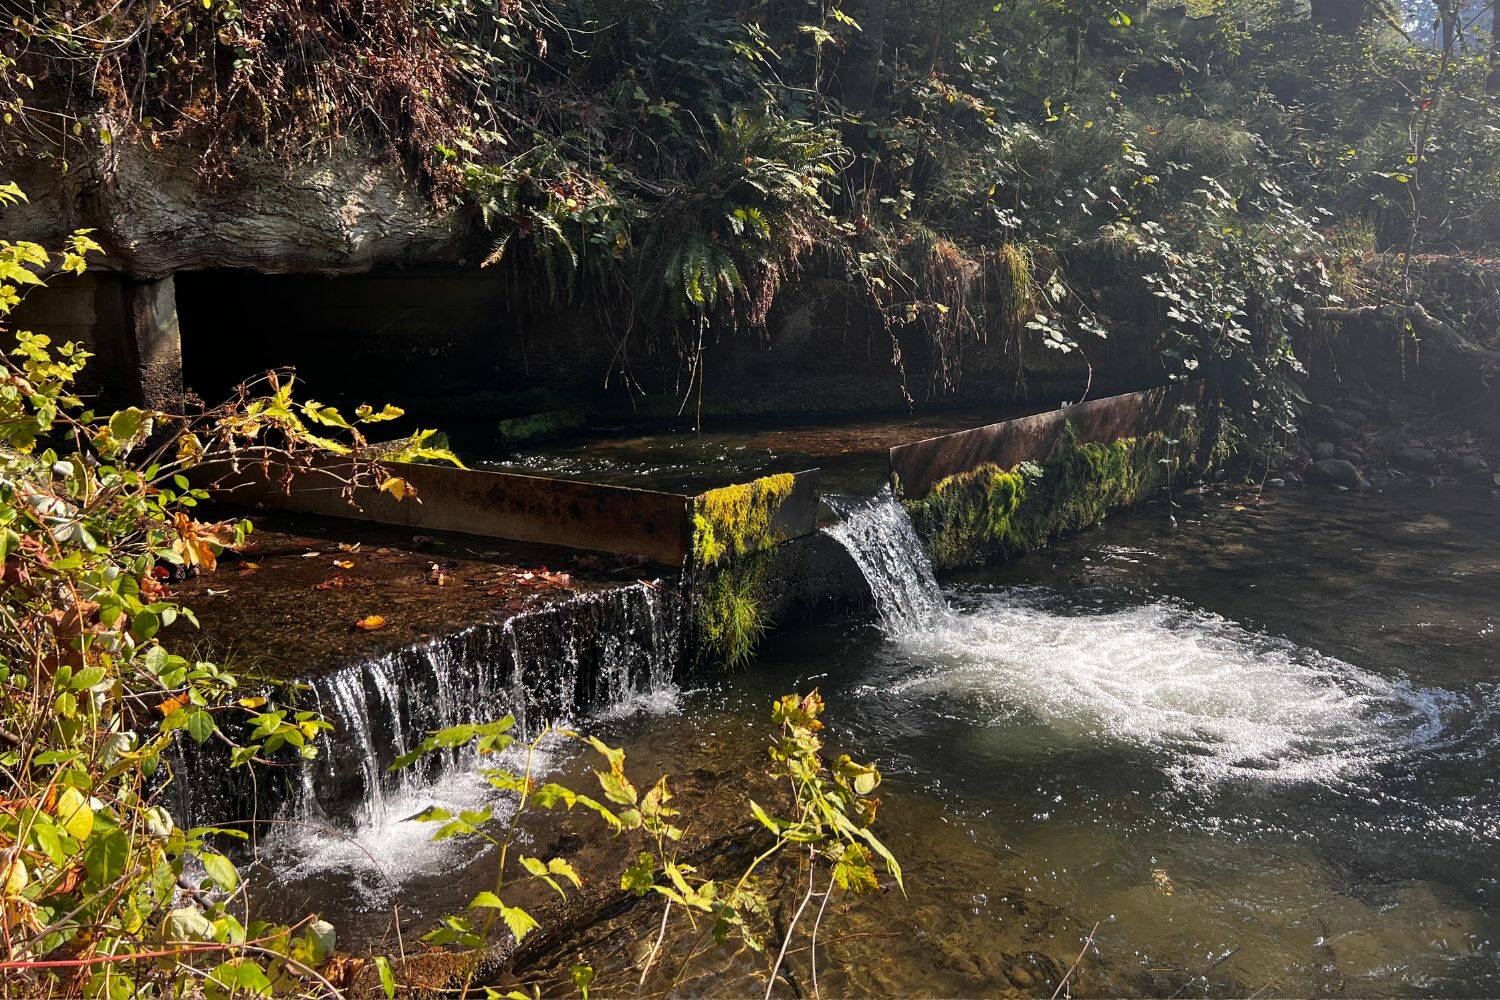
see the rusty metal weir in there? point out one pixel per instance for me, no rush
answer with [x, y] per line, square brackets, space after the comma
[657, 525]
[604, 518]
[917, 467]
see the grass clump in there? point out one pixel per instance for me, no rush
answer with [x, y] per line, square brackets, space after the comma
[731, 610]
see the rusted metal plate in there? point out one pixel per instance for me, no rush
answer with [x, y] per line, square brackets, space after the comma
[599, 517]
[616, 519]
[916, 467]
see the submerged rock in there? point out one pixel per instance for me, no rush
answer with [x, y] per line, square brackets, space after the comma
[1470, 464]
[1336, 472]
[1415, 459]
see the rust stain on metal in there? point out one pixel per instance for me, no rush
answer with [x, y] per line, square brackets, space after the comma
[916, 467]
[615, 519]
[604, 518]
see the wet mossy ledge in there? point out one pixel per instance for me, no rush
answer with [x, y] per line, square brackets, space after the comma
[988, 513]
[734, 535]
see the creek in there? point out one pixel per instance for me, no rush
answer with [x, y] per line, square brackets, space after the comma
[1249, 743]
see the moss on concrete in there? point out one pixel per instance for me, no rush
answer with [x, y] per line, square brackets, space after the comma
[736, 521]
[989, 513]
[733, 534]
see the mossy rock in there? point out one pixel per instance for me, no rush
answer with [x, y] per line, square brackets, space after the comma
[539, 427]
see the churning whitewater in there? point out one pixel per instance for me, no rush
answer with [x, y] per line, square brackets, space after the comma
[1216, 699]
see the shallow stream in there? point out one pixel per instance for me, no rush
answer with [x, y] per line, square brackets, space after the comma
[1252, 744]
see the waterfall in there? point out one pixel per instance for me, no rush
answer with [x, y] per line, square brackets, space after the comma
[880, 538]
[591, 652]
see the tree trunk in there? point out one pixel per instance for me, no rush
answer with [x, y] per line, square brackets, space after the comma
[859, 71]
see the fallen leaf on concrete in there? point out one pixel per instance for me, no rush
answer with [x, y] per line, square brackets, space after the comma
[344, 563]
[370, 623]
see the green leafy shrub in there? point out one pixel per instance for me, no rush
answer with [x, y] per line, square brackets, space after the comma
[97, 513]
[830, 825]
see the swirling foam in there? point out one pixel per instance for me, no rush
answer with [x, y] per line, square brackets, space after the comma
[1220, 699]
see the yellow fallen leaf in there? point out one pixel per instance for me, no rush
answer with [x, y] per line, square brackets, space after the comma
[344, 563]
[370, 623]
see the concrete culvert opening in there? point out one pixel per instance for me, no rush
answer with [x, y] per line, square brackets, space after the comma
[460, 354]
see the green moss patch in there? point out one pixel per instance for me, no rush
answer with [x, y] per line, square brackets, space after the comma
[538, 427]
[736, 521]
[989, 513]
[734, 534]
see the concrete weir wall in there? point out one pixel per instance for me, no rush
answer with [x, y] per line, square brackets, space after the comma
[131, 327]
[917, 467]
[665, 527]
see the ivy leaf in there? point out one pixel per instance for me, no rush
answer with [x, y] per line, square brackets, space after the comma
[200, 725]
[220, 869]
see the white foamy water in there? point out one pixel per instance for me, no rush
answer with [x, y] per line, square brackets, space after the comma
[384, 849]
[1222, 700]
[388, 846]
[879, 537]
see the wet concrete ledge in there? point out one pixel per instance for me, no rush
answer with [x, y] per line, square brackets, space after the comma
[289, 603]
[657, 525]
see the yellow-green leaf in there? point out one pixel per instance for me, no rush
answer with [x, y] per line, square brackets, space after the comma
[75, 814]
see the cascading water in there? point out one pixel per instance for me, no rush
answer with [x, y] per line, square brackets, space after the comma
[595, 651]
[880, 538]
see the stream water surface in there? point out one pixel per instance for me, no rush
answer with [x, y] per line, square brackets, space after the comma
[1251, 745]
